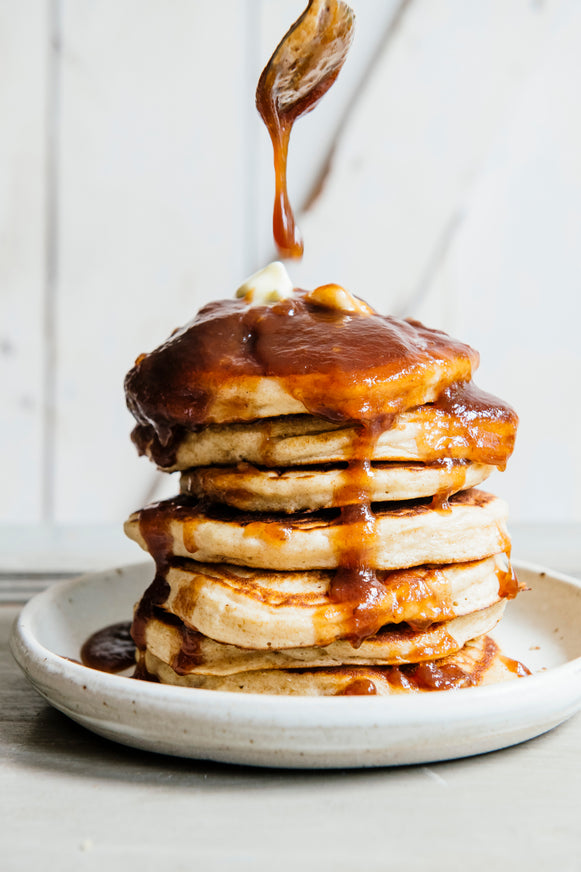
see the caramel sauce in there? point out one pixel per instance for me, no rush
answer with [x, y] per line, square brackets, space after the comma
[273, 534]
[421, 645]
[429, 676]
[154, 527]
[457, 479]
[468, 422]
[422, 585]
[515, 666]
[359, 687]
[110, 650]
[190, 531]
[189, 654]
[508, 583]
[285, 231]
[434, 675]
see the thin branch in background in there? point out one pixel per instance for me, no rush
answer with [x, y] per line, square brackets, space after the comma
[391, 31]
[439, 252]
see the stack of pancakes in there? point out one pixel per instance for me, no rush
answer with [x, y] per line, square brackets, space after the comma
[328, 537]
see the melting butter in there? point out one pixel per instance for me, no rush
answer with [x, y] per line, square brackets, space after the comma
[268, 285]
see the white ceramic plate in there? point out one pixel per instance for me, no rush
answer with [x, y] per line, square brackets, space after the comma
[541, 628]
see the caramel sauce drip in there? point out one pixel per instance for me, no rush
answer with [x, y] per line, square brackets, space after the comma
[359, 687]
[508, 583]
[356, 582]
[429, 676]
[110, 650]
[301, 70]
[471, 423]
[515, 666]
[154, 527]
[287, 235]
[274, 534]
[457, 480]
[439, 675]
[436, 675]
[189, 654]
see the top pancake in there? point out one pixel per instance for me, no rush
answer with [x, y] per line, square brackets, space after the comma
[464, 423]
[237, 362]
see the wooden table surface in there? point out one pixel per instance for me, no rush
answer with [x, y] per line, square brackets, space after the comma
[70, 800]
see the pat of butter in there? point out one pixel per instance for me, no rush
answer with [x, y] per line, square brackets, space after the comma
[268, 285]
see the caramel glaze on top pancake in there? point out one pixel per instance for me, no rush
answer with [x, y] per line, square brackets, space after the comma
[339, 365]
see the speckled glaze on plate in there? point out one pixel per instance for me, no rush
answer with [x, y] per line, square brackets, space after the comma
[540, 627]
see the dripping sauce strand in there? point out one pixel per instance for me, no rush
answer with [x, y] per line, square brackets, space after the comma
[112, 649]
[285, 231]
[356, 581]
[155, 529]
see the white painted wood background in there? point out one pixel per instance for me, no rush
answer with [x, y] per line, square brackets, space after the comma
[136, 184]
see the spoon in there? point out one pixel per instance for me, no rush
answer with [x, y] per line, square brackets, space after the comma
[303, 67]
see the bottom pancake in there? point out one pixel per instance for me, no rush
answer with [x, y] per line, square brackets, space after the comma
[189, 652]
[480, 662]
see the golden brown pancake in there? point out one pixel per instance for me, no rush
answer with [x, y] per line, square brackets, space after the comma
[478, 663]
[188, 651]
[251, 489]
[407, 534]
[465, 423]
[264, 609]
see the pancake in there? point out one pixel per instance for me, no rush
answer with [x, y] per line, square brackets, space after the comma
[296, 490]
[478, 663]
[465, 423]
[188, 651]
[406, 534]
[261, 609]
